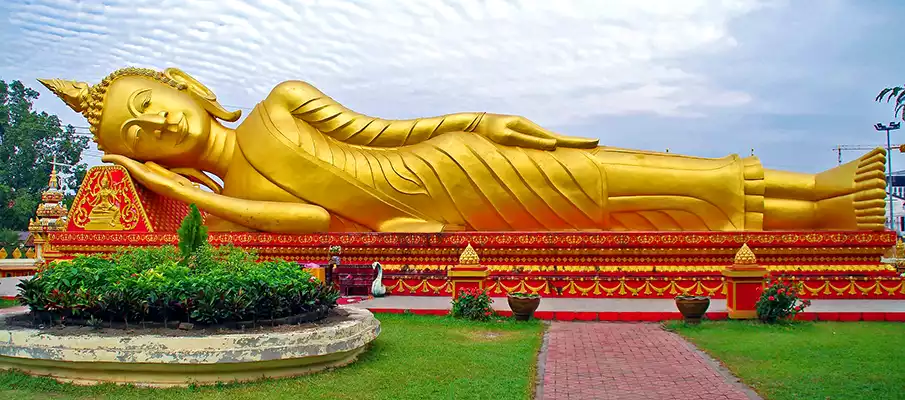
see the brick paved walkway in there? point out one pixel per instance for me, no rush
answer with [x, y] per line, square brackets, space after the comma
[629, 361]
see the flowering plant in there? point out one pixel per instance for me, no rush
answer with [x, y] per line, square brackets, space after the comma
[780, 301]
[473, 304]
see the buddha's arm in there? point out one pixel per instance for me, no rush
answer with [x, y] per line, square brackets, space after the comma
[268, 216]
[309, 104]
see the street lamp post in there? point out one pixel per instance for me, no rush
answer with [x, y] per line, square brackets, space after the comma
[879, 126]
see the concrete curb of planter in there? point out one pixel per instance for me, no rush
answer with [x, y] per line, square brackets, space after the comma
[164, 361]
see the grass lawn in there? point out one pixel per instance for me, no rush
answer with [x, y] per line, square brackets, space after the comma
[824, 360]
[4, 303]
[415, 357]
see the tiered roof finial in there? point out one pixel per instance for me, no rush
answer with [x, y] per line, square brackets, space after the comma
[469, 256]
[51, 214]
[745, 256]
[53, 183]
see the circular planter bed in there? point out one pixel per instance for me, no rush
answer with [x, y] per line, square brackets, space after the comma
[162, 357]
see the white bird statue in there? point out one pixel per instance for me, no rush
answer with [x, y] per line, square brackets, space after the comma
[377, 288]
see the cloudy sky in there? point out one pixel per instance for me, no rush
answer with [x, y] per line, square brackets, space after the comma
[791, 79]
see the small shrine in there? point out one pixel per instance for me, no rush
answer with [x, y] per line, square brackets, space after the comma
[744, 280]
[469, 273]
[51, 215]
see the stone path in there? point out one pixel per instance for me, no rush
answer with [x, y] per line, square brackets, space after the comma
[8, 286]
[630, 361]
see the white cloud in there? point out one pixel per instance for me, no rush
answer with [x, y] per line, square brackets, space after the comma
[550, 61]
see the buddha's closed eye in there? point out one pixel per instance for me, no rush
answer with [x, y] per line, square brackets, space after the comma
[139, 102]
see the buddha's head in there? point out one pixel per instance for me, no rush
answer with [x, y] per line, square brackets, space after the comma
[146, 115]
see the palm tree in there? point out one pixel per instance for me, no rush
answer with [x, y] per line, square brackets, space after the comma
[897, 93]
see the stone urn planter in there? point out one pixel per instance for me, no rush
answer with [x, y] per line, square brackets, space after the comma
[692, 307]
[523, 305]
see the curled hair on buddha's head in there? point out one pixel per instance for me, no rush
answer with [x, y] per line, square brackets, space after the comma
[89, 100]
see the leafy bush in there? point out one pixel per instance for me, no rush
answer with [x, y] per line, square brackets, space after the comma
[780, 301]
[196, 283]
[156, 284]
[473, 304]
[524, 295]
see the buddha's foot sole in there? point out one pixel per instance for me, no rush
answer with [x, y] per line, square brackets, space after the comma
[870, 191]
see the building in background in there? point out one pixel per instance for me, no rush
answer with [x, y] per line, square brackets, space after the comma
[898, 201]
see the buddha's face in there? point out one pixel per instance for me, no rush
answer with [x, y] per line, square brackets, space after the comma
[151, 121]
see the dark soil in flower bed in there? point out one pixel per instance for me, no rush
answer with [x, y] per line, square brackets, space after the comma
[74, 326]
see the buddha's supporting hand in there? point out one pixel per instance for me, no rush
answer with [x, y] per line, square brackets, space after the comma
[269, 216]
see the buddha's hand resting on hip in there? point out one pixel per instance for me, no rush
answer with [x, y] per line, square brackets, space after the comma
[517, 131]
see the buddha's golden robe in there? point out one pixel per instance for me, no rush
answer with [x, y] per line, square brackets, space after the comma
[462, 180]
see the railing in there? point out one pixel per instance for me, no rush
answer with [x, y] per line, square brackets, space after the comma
[19, 261]
[17, 253]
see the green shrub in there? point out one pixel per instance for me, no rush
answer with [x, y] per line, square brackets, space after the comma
[192, 232]
[473, 304]
[780, 301]
[156, 284]
[196, 283]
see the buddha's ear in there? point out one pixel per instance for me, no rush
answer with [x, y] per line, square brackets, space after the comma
[204, 95]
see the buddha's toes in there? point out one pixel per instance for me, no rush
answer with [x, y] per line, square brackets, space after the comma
[870, 190]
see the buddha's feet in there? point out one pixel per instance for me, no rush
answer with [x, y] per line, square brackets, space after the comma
[853, 195]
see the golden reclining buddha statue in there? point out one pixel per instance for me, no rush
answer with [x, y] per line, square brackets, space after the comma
[300, 162]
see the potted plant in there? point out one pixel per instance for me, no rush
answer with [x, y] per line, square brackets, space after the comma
[692, 307]
[523, 304]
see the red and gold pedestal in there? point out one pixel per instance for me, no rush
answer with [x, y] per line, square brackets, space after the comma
[468, 274]
[744, 284]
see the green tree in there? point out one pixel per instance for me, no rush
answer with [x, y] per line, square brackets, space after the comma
[897, 93]
[192, 232]
[28, 142]
[9, 240]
